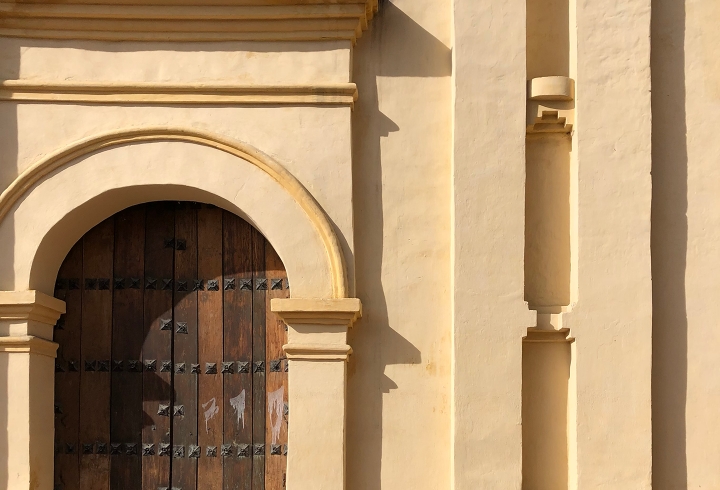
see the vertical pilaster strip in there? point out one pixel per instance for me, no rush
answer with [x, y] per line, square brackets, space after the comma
[317, 353]
[612, 321]
[27, 373]
[489, 314]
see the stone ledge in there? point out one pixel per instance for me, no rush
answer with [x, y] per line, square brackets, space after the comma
[28, 345]
[30, 306]
[317, 352]
[191, 20]
[318, 311]
[168, 94]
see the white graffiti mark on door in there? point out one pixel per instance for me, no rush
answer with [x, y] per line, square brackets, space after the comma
[211, 410]
[238, 403]
[275, 409]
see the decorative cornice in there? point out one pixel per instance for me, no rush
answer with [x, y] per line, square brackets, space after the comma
[188, 20]
[29, 345]
[30, 306]
[317, 352]
[343, 94]
[275, 170]
[299, 311]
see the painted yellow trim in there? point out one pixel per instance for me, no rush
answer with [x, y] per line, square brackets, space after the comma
[342, 94]
[199, 11]
[317, 352]
[30, 305]
[315, 213]
[28, 345]
[317, 311]
[143, 21]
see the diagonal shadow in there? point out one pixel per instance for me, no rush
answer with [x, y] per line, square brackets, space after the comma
[394, 46]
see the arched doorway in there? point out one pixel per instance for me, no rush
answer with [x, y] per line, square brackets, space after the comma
[170, 370]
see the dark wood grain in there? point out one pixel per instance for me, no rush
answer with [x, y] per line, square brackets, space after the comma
[276, 381]
[185, 350]
[157, 385]
[67, 378]
[237, 346]
[155, 254]
[96, 341]
[260, 285]
[126, 414]
[210, 348]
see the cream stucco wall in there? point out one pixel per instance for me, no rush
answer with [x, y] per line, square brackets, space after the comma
[458, 230]
[686, 220]
[402, 136]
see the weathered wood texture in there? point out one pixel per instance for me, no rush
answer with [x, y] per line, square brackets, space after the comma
[276, 430]
[67, 371]
[185, 349]
[126, 415]
[259, 362]
[157, 347]
[237, 356]
[210, 348]
[170, 371]
[98, 246]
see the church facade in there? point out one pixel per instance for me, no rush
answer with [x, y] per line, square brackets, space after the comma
[359, 244]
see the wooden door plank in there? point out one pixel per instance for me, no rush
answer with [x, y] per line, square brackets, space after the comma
[96, 354]
[276, 377]
[68, 333]
[210, 348]
[126, 415]
[260, 286]
[185, 349]
[157, 348]
[237, 347]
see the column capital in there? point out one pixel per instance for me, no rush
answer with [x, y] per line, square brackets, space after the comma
[317, 328]
[300, 311]
[30, 305]
[29, 313]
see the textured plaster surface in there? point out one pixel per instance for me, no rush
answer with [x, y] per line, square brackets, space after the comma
[489, 314]
[241, 63]
[399, 375]
[432, 213]
[686, 230]
[612, 320]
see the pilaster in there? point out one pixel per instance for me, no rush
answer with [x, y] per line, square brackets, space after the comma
[317, 353]
[27, 365]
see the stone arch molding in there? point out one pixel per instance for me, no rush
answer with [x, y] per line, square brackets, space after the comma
[54, 202]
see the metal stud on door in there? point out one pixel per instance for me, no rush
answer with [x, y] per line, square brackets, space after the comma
[179, 381]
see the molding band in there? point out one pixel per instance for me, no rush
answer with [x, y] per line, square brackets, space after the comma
[30, 306]
[31, 176]
[28, 345]
[317, 352]
[341, 94]
[190, 21]
[299, 311]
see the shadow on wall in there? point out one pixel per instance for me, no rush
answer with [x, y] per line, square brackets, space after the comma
[669, 245]
[394, 46]
[10, 68]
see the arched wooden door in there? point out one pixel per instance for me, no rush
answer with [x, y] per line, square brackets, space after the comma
[170, 372]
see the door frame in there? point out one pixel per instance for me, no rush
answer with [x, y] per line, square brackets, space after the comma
[51, 206]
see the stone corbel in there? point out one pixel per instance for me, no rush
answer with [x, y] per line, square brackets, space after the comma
[27, 358]
[551, 106]
[317, 353]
